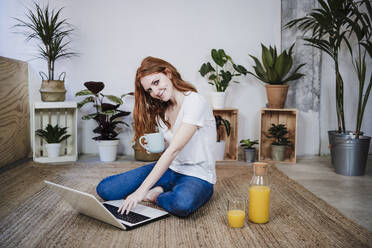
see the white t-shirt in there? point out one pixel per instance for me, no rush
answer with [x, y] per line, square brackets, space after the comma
[196, 158]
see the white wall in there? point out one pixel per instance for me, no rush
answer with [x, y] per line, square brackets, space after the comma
[114, 36]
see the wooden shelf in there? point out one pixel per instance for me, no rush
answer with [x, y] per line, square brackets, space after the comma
[65, 115]
[231, 148]
[278, 116]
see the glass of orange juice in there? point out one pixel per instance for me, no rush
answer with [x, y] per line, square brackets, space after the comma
[236, 212]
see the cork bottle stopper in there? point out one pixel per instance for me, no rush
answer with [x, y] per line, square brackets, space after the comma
[260, 168]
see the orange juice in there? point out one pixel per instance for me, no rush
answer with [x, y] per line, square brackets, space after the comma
[259, 204]
[236, 218]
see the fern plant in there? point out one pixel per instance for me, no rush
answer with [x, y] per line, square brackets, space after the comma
[224, 70]
[278, 132]
[274, 69]
[53, 134]
[226, 124]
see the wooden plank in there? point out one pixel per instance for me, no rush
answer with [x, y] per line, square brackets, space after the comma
[14, 111]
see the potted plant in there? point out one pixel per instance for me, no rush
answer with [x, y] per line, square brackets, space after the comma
[53, 135]
[47, 26]
[350, 150]
[273, 72]
[223, 126]
[280, 143]
[107, 117]
[249, 150]
[220, 75]
[331, 26]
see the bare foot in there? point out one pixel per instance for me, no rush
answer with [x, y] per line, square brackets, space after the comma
[153, 194]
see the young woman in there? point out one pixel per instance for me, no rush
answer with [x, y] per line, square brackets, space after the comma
[182, 179]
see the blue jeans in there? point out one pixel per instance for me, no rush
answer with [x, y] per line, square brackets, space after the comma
[182, 194]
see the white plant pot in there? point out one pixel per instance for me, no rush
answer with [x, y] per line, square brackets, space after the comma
[53, 150]
[108, 150]
[220, 150]
[218, 99]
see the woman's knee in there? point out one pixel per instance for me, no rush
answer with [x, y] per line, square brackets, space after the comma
[178, 208]
[103, 190]
[181, 206]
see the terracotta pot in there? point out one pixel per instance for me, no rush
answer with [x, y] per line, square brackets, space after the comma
[53, 91]
[276, 95]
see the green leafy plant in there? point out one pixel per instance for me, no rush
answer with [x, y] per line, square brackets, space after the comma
[221, 122]
[224, 70]
[247, 143]
[274, 69]
[47, 26]
[53, 134]
[360, 22]
[106, 114]
[326, 28]
[278, 132]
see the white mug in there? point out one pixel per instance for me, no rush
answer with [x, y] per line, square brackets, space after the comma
[155, 142]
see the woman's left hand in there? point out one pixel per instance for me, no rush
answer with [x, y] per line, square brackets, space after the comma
[131, 201]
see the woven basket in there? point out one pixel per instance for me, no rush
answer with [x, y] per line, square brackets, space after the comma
[141, 155]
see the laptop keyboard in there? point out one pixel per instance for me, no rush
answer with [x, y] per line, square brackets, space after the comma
[132, 217]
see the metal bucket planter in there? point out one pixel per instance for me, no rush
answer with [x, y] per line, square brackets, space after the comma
[331, 139]
[249, 154]
[350, 154]
[278, 152]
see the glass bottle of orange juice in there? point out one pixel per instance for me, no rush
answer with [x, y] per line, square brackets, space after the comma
[259, 194]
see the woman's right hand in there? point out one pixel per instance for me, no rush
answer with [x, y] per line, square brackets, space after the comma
[131, 201]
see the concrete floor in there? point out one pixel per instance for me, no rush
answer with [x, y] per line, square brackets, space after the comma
[352, 196]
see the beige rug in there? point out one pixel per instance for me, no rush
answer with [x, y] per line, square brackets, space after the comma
[33, 216]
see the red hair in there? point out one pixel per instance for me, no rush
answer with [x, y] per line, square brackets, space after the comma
[148, 110]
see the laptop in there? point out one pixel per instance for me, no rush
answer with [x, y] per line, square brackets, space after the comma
[88, 204]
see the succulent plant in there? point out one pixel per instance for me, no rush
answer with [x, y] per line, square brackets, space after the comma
[53, 134]
[274, 69]
[247, 143]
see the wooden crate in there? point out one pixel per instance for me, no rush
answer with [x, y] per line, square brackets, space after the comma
[231, 148]
[65, 115]
[278, 116]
